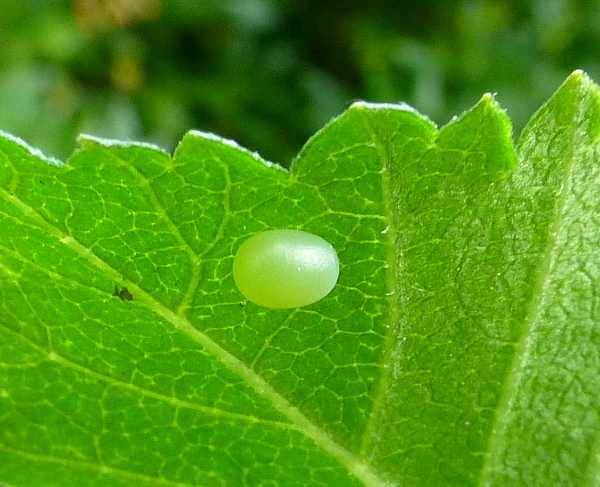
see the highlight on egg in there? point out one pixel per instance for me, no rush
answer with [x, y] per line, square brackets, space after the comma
[285, 268]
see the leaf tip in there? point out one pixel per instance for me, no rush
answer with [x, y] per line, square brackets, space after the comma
[576, 101]
[489, 98]
[579, 75]
[488, 101]
[485, 128]
[577, 80]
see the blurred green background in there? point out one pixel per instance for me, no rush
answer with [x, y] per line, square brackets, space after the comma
[270, 73]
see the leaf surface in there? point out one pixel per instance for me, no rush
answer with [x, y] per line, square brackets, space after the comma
[460, 346]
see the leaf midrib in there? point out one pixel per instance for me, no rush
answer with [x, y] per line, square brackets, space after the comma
[391, 339]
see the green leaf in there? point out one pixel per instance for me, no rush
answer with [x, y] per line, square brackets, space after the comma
[459, 348]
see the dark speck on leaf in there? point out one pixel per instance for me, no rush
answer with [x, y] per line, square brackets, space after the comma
[123, 294]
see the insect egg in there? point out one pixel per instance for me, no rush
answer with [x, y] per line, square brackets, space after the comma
[285, 268]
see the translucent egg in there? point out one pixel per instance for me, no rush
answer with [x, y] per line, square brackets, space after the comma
[285, 268]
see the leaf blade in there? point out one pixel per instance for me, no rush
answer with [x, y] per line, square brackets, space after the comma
[179, 382]
[558, 351]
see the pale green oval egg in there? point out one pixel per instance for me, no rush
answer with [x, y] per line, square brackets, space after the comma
[285, 268]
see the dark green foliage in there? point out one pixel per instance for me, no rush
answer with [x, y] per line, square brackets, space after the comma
[269, 73]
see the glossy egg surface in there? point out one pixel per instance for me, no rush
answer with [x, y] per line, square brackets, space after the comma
[285, 268]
